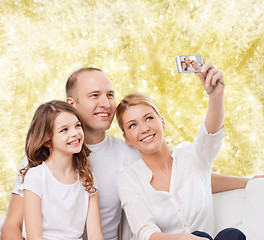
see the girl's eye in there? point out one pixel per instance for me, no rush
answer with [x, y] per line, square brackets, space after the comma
[64, 130]
[132, 126]
[149, 118]
[78, 125]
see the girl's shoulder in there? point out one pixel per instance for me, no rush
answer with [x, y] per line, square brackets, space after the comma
[36, 171]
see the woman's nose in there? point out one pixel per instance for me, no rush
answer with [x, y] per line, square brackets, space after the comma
[144, 127]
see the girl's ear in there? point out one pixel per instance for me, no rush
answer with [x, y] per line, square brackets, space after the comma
[163, 123]
[47, 144]
[126, 140]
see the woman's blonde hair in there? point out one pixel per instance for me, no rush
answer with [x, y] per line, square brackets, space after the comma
[40, 134]
[133, 100]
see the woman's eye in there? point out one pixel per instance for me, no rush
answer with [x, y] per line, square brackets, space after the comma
[149, 118]
[132, 126]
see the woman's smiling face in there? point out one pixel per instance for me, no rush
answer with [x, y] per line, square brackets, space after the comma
[143, 128]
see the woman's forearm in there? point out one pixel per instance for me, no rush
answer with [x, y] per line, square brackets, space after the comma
[215, 115]
[176, 236]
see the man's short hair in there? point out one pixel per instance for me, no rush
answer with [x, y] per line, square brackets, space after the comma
[72, 80]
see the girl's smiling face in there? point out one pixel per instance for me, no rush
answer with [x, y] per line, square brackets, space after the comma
[143, 128]
[68, 135]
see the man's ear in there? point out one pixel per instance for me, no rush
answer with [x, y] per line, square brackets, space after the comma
[163, 123]
[126, 140]
[70, 100]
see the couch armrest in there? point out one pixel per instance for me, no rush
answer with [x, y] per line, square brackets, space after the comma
[228, 208]
[252, 221]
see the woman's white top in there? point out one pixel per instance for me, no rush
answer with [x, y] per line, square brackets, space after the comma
[187, 206]
[63, 206]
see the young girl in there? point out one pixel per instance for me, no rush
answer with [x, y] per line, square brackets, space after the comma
[58, 185]
[167, 193]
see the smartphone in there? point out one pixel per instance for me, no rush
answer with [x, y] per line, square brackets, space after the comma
[189, 63]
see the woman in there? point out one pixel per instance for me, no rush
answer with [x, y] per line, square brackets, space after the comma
[167, 193]
[194, 65]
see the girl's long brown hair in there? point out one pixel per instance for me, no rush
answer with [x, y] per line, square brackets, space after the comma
[41, 132]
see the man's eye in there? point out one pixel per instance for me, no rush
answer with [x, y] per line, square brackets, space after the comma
[132, 126]
[94, 95]
[110, 95]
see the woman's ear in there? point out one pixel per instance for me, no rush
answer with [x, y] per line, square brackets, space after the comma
[163, 123]
[126, 140]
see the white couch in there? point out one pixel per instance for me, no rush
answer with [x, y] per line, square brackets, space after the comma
[241, 208]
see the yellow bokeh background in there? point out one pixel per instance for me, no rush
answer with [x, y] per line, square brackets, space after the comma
[135, 43]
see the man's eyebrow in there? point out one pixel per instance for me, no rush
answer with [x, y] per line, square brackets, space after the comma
[95, 91]
[98, 91]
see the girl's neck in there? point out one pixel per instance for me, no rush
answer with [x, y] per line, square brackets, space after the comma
[62, 168]
[60, 163]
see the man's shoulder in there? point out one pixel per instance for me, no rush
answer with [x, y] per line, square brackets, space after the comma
[115, 139]
[118, 142]
[128, 153]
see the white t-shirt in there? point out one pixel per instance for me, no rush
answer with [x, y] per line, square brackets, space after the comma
[107, 158]
[187, 206]
[64, 207]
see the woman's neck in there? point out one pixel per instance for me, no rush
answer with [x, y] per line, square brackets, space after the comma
[160, 159]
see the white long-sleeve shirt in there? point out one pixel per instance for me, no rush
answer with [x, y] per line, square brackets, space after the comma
[187, 206]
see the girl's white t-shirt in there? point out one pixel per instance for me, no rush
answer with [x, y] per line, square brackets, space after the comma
[63, 206]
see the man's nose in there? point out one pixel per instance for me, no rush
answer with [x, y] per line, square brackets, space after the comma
[104, 101]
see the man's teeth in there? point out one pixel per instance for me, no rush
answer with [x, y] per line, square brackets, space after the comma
[102, 114]
[147, 138]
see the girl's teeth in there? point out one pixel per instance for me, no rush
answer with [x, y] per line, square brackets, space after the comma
[102, 114]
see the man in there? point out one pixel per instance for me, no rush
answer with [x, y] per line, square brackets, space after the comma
[91, 92]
